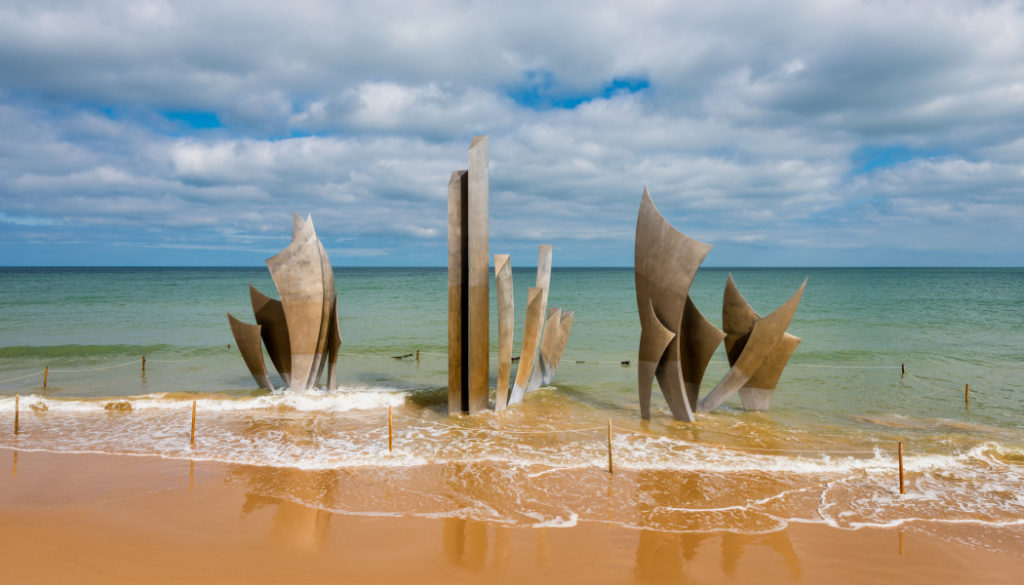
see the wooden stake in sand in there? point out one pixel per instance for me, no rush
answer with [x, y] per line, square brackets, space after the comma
[967, 395]
[389, 428]
[16, 400]
[901, 467]
[46, 374]
[192, 440]
[610, 468]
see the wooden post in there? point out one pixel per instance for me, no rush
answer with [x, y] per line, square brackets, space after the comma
[192, 440]
[610, 468]
[46, 374]
[389, 429]
[901, 468]
[143, 365]
[417, 357]
[903, 370]
[16, 413]
[967, 395]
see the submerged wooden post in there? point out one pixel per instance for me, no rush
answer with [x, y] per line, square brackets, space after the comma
[143, 365]
[389, 429]
[967, 395]
[610, 468]
[16, 400]
[903, 370]
[192, 440]
[417, 357]
[901, 467]
[46, 373]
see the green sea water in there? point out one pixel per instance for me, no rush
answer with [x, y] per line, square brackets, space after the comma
[841, 406]
[949, 326]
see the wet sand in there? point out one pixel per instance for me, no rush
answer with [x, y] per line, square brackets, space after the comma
[124, 519]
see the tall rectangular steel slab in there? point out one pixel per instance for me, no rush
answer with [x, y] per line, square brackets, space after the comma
[457, 290]
[506, 326]
[479, 344]
[469, 284]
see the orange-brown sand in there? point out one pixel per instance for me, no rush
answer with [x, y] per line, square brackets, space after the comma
[68, 518]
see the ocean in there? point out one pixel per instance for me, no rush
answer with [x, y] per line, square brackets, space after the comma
[825, 453]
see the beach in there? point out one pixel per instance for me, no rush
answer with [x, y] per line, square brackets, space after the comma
[311, 486]
[121, 519]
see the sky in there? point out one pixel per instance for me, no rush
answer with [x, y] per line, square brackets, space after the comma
[786, 133]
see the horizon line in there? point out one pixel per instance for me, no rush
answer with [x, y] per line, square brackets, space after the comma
[618, 267]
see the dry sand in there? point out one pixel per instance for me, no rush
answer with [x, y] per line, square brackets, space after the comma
[68, 518]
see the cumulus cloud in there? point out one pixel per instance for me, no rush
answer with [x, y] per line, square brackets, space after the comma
[786, 133]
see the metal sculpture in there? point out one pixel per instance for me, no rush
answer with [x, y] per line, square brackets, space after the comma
[556, 335]
[247, 339]
[758, 349]
[469, 301]
[301, 330]
[700, 340]
[274, 329]
[533, 330]
[506, 326]
[676, 341]
[468, 283]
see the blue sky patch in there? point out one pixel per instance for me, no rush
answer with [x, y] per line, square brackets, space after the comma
[195, 119]
[871, 157]
[541, 91]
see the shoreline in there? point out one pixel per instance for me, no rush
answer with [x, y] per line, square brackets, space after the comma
[106, 518]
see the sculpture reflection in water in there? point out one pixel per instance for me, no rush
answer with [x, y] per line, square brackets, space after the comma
[675, 542]
[677, 341]
[300, 331]
[296, 498]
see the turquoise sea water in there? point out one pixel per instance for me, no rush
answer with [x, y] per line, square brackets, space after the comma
[825, 452]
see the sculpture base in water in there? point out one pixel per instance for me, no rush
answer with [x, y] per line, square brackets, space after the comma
[301, 330]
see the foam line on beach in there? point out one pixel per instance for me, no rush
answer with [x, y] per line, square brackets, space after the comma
[522, 494]
[341, 400]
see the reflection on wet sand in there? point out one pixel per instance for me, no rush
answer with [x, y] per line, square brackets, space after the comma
[135, 516]
[734, 545]
[298, 522]
[662, 556]
[541, 547]
[465, 542]
[299, 497]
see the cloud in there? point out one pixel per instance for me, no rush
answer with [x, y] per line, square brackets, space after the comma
[863, 131]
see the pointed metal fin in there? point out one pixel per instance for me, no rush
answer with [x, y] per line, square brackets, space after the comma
[764, 336]
[247, 339]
